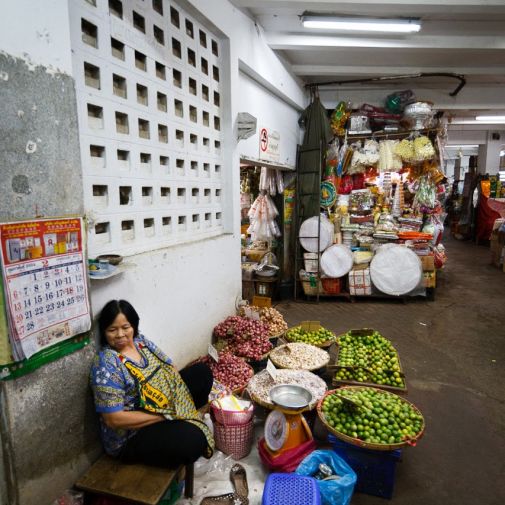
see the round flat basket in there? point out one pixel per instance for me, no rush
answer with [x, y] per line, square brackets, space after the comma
[309, 231]
[361, 443]
[260, 385]
[290, 356]
[322, 344]
[337, 261]
[396, 270]
[279, 335]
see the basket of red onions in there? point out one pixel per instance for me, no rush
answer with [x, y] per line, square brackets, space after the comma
[244, 337]
[231, 371]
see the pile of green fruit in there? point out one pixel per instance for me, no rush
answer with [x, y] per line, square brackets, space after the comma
[368, 357]
[371, 415]
[313, 337]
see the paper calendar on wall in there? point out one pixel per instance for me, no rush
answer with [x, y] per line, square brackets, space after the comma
[44, 274]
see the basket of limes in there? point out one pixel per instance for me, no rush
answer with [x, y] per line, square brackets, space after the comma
[310, 332]
[365, 357]
[371, 418]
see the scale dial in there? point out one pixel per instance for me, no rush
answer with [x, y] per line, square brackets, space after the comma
[276, 430]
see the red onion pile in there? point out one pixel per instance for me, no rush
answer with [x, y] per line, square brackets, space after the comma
[245, 337]
[231, 371]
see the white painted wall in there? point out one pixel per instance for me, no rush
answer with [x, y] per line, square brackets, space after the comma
[37, 32]
[249, 48]
[182, 291]
[273, 113]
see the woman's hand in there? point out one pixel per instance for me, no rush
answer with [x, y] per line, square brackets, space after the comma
[131, 419]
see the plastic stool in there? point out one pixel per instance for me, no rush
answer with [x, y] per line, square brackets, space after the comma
[284, 488]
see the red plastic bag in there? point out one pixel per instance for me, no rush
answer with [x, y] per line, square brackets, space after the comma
[358, 181]
[288, 460]
[346, 185]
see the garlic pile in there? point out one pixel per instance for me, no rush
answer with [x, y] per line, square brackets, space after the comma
[299, 356]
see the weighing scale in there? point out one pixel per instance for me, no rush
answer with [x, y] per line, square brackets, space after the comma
[285, 427]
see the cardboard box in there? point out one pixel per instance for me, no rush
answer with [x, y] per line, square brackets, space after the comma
[360, 283]
[428, 263]
[430, 279]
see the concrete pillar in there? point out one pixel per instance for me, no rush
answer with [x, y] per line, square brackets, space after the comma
[457, 168]
[48, 428]
[489, 153]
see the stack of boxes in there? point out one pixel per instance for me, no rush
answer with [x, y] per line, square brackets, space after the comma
[429, 272]
[497, 244]
[360, 283]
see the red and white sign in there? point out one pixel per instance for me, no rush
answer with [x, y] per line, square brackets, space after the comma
[270, 141]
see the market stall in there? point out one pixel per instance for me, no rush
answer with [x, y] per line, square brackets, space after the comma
[261, 235]
[381, 195]
[286, 384]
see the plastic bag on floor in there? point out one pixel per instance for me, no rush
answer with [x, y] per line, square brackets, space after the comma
[218, 464]
[333, 491]
[212, 478]
[70, 497]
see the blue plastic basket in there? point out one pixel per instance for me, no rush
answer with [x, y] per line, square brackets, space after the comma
[375, 469]
[284, 488]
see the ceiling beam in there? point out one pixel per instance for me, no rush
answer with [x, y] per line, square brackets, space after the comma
[334, 5]
[372, 71]
[286, 41]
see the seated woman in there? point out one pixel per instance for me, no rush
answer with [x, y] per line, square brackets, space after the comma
[147, 409]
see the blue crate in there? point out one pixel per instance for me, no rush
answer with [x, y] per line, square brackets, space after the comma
[284, 488]
[375, 469]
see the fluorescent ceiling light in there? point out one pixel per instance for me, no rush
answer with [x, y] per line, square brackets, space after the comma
[474, 122]
[462, 146]
[361, 24]
[490, 118]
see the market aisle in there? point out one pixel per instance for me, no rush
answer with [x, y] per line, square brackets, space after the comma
[453, 353]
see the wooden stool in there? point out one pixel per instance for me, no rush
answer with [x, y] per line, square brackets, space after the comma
[140, 484]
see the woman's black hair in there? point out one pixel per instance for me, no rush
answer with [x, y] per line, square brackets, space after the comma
[111, 311]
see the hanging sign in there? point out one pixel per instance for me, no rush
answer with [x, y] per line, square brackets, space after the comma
[44, 275]
[270, 141]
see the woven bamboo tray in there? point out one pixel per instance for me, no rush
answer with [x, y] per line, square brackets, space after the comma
[279, 335]
[278, 364]
[268, 404]
[309, 325]
[361, 443]
[335, 367]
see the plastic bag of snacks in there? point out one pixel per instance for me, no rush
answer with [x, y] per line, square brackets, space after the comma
[389, 161]
[423, 149]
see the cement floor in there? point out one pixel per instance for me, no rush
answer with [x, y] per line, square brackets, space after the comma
[453, 354]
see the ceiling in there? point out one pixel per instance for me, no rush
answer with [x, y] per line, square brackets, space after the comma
[465, 37]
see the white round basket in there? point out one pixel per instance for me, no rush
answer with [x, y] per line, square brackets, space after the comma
[309, 231]
[395, 270]
[336, 261]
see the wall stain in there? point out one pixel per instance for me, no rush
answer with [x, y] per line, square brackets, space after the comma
[20, 184]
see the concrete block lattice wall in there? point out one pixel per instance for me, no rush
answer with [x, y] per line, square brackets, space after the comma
[148, 80]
